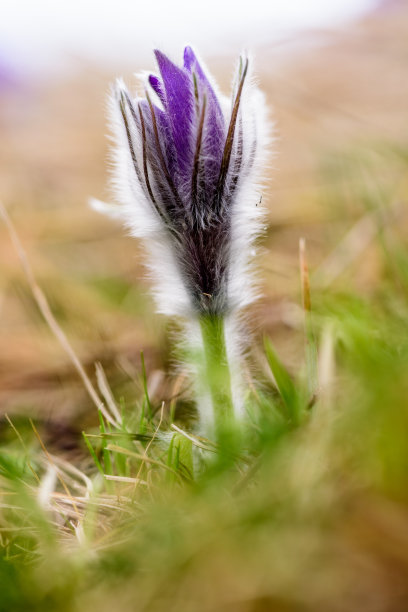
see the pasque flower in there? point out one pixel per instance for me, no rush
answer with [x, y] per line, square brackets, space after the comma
[185, 163]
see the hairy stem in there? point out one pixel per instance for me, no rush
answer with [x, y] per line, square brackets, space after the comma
[217, 373]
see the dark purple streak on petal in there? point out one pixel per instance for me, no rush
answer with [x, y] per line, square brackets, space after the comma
[229, 143]
[215, 124]
[160, 153]
[146, 173]
[194, 180]
[123, 103]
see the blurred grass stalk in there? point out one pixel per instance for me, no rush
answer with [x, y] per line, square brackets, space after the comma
[52, 323]
[310, 339]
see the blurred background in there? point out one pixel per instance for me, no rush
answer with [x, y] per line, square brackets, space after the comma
[335, 78]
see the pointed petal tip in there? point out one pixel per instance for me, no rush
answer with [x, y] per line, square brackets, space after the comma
[166, 66]
[188, 57]
[119, 89]
[112, 211]
[160, 56]
[120, 84]
[157, 86]
[154, 82]
[188, 52]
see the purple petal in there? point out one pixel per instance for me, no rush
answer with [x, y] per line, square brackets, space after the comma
[180, 109]
[157, 86]
[215, 123]
[189, 58]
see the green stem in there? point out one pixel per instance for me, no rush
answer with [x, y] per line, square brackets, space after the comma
[217, 372]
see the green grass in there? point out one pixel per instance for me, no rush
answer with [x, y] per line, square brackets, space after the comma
[310, 513]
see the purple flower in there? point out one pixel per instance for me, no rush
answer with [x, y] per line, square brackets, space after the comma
[185, 168]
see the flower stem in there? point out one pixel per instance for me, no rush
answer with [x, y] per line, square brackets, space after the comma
[217, 373]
